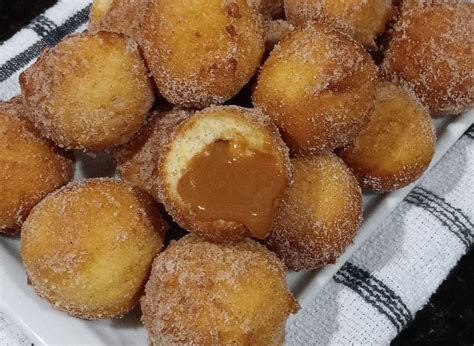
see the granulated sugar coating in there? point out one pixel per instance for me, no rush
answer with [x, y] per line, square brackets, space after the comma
[205, 294]
[364, 20]
[320, 215]
[275, 31]
[123, 16]
[30, 166]
[431, 53]
[137, 161]
[254, 134]
[91, 92]
[270, 9]
[88, 248]
[318, 86]
[411, 4]
[202, 52]
[397, 145]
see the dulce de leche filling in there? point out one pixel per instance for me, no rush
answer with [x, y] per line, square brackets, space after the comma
[228, 181]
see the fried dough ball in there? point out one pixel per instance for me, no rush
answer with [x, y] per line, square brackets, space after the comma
[91, 92]
[202, 52]
[275, 31]
[222, 173]
[123, 16]
[397, 145]
[207, 294]
[318, 86]
[30, 167]
[431, 53]
[88, 248]
[320, 215]
[137, 160]
[270, 9]
[363, 20]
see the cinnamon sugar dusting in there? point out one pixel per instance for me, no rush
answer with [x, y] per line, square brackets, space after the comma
[200, 292]
[320, 213]
[431, 53]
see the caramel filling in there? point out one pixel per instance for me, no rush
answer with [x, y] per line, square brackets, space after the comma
[228, 181]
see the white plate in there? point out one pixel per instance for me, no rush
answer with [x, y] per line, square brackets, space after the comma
[45, 325]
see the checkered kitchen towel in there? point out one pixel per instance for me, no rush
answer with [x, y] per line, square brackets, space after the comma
[378, 291]
[16, 54]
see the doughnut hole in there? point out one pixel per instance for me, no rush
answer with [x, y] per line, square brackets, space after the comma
[397, 145]
[88, 248]
[320, 213]
[90, 92]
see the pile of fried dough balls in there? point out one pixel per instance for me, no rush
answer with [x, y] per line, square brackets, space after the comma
[161, 85]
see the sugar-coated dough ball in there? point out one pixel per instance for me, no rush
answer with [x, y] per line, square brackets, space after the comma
[90, 92]
[206, 294]
[397, 145]
[320, 215]
[202, 52]
[88, 248]
[318, 86]
[221, 172]
[431, 53]
[30, 166]
[363, 20]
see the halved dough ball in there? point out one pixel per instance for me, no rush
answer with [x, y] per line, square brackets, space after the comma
[88, 248]
[208, 294]
[397, 145]
[431, 53]
[30, 167]
[363, 20]
[318, 86]
[202, 52]
[320, 214]
[222, 173]
[137, 160]
[91, 92]
[123, 16]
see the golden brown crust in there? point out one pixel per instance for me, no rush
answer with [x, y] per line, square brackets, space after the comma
[88, 248]
[318, 86]
[431, 53]
[218, 230]
[137, 160]
[320, 213]
[205, 293]
[363, 20]
[397, 145]
[30, 166]
[90, 92]
[201, 57]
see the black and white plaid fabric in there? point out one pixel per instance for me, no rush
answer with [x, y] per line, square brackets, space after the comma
[44, 31]
[375, 294]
